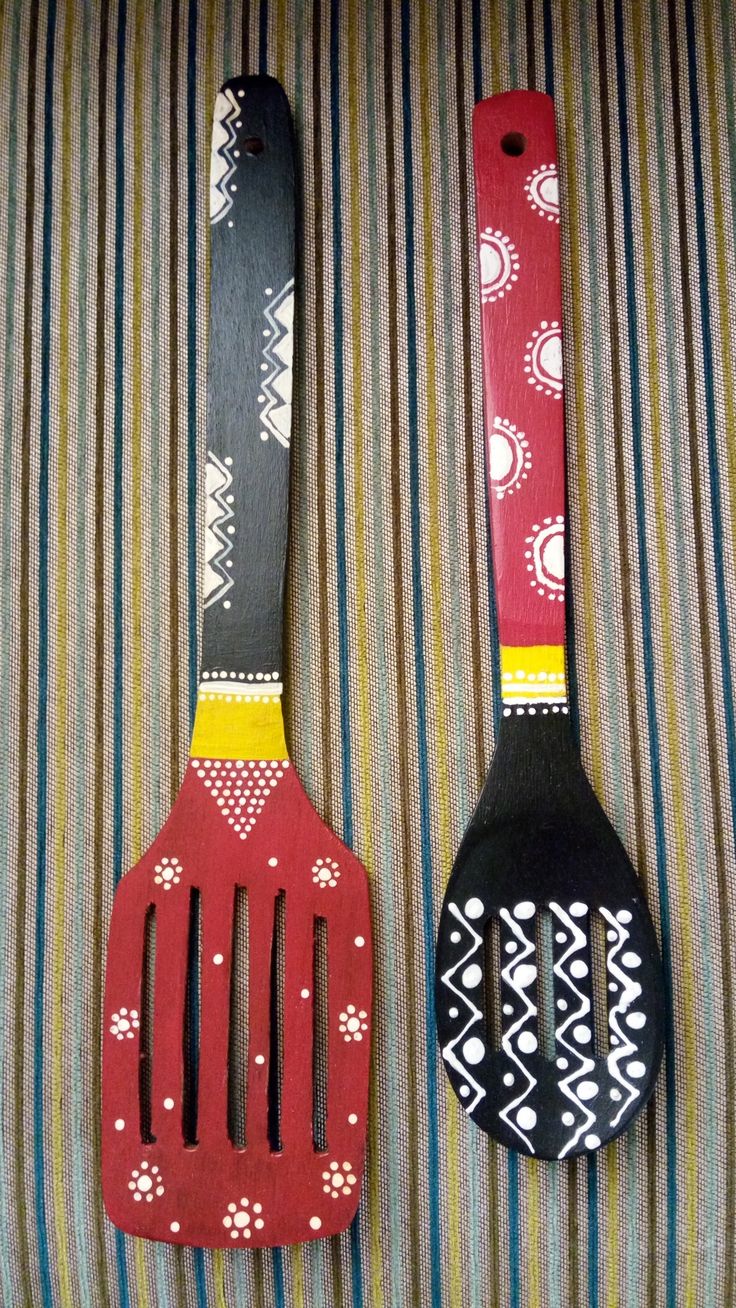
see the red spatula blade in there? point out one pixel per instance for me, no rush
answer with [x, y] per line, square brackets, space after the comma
[213, 1193]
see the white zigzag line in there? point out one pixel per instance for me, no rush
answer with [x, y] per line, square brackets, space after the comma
[531, 1011]
[223, 152]
[630, 990]
[586, 1064]
[216, 561]
[277, 365]
[448, 1053]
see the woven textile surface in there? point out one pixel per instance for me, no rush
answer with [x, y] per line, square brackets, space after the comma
[106, 112]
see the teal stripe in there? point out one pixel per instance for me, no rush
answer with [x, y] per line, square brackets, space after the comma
[610, 686]
[342, 596]
[7, 600]
[385, 853]
[647, 640]
[303, 505]
[689, 636]
[424, 844]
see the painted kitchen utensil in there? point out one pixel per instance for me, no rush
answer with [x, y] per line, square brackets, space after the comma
[549, 988]
[238, 989]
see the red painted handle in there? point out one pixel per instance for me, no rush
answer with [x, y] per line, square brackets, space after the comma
[517, 200]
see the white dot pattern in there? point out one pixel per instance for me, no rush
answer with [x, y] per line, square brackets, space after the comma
[240, 787]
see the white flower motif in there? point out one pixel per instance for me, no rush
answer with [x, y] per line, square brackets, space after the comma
[146, 1182]
[352, 1022]
[124, 1023]
[339, 1180]
[325, 873]
[239, 1219]
[167, 873]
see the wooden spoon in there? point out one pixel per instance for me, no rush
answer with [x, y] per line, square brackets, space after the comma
[549, 990]
[257, 1006]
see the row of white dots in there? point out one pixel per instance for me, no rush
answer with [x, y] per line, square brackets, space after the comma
[216, 763]
[520, 675]
[530, 708]
[246, 699]
[240, 676]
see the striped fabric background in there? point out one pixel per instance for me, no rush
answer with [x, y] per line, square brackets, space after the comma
[103, 273]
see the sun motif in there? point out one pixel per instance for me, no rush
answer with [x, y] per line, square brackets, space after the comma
[543, 359]
[340, 1179]
[499, 265]
[243, 1218]
[167, 873]
[509, 458]
[325, 873]
[543, 192]
[546, 558]
[353, 1023]
[124, 1023]
[146, 1183]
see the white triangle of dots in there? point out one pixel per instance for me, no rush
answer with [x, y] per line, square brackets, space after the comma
[240, 787]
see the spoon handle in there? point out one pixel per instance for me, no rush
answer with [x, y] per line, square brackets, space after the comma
[518, 214]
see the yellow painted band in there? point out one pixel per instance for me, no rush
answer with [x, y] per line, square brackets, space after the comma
[238, 728]
[534, 672]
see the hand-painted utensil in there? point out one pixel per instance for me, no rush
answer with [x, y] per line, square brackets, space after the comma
[549, 990]
[246, 901]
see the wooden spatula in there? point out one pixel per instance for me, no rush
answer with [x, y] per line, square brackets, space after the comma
[549, 987]
[238, 989]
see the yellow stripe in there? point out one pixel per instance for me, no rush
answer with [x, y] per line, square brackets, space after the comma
[727, 392]
[280, 50]
[238, 728]
[58, 1133]
[533, 672]
[495, 48]
[571, 203]
[688, 1045]
[427, 60]
[218, 1278]
[362, 654]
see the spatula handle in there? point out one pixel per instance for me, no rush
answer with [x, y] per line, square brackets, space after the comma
[517, 201]
[249, 379]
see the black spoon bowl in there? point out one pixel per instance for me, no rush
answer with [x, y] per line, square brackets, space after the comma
[549, 994]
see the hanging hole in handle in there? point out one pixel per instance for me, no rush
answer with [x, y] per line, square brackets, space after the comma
[514, 143]
[253, 145]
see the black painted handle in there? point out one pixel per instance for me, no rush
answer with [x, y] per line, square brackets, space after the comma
[249, 378]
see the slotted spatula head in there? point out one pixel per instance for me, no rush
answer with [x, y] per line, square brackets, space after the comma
[549, 992]
[238, 987]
